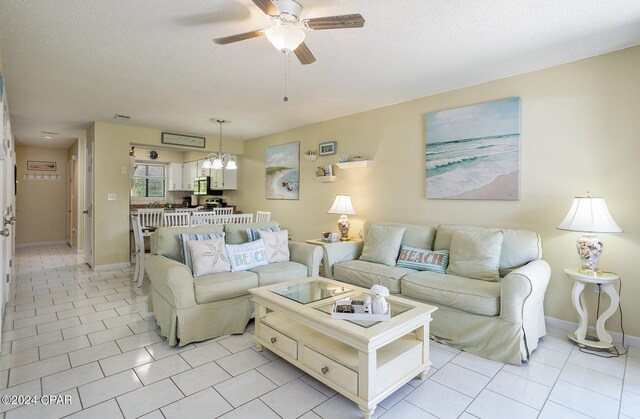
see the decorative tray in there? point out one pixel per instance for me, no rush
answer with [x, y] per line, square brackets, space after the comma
[354, 310]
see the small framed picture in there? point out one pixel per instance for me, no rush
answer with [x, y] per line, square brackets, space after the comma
[327, 149]
[42, 166]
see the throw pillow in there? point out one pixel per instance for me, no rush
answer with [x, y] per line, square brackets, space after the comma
[276, 244]
[252, 233]
[208, 256]
[382, 243]
[184, 250]
[423, 259]
[476, 254]
[247, 255]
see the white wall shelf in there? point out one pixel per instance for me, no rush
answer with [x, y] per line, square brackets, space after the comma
[355, 164]
[325, 179]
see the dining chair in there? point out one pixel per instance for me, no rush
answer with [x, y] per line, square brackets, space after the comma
[138, 240]
[199, 218]
[238, 218]
[177, 219]
[150, 217]
[223, 211]
[263, 216]
[189, 210]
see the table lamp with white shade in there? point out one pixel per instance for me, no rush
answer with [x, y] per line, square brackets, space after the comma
[589, 215]
[342, 205]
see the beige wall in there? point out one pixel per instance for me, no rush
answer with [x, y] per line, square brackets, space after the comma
[111, 168]
[41, 206]
[579, 133]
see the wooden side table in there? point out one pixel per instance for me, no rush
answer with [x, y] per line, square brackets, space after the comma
[606, 281]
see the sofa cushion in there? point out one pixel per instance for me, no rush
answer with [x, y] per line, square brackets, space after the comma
[423, 260]
[247, 255]
[519, 247]
[476, 254]
[382, 244]
[165, 241]
[276, 244]
[464, 294]
[280, 272]
[366, 274]
[222, 286]
[208, 256]
[237, 233]
[252, 233]
[415, 236]
[185, 252]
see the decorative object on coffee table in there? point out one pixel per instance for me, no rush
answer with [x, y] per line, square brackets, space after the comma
[379, 305]
[342, 205]
[589, 215]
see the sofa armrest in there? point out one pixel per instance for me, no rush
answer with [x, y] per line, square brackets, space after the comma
[172, 280]
[339, 252]
[526, 284]
[308, 255]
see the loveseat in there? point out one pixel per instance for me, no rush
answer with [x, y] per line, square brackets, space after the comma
[500, 317]
[189, 308]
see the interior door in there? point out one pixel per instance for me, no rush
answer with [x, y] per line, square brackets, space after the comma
[88, 207]
[69, 201]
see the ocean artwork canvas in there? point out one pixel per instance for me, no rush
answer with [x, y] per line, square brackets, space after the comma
[473, 152]
[282, 177]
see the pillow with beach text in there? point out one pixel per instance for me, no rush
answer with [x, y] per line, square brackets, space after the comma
[247, 255]
[423, 259]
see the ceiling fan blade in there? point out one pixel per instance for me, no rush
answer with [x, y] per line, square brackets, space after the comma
[267, 7]
[239, 37]
[335, 22]
[304, 54]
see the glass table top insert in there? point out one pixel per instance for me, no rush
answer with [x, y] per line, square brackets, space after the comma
[310, 292]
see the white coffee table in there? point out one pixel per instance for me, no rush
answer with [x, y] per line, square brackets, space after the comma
[364, 361]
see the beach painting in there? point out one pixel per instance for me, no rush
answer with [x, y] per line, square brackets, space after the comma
[282, 177]
[473, 152]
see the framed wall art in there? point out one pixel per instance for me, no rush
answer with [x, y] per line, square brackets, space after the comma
[42, 166]
[327, 149]
[185, 140]
[282, 171]
[473, 152]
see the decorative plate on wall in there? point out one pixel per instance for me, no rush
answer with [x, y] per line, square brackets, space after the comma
[153, 155]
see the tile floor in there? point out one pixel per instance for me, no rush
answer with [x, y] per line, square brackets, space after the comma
[86, 335]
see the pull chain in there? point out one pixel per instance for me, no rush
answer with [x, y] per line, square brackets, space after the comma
[287, 73]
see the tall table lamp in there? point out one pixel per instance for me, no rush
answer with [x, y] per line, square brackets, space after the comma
[589, 215]
[342, 205]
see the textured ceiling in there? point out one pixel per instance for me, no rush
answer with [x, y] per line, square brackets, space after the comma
[71, 62]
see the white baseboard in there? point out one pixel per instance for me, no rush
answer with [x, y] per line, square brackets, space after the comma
[571, 327]
[41, 244]
[112, 266]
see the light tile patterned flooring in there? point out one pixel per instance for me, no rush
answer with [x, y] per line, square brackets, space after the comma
[71, 331]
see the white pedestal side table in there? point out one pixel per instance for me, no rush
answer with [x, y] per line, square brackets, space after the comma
[606, 281]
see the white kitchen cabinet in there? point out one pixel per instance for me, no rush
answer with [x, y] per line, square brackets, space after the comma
[189, 173]
[230, 179]
[217, 179]
[174, 177]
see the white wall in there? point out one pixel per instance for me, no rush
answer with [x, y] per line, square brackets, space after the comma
[580, 126]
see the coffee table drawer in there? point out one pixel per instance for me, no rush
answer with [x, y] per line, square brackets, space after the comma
[333, 371]
[279, 341]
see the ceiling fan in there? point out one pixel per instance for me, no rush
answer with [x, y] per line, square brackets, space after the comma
[288, 30]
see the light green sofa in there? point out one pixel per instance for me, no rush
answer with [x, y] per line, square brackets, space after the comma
[189, 309]
[500, 320]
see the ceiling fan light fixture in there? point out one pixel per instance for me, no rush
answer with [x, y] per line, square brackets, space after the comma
[285, 38]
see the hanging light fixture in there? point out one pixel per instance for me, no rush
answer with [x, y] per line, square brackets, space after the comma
[216, 160]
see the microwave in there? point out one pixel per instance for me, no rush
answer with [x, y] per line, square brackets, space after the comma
[202, 186]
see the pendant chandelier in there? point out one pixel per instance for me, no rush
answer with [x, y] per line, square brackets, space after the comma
[220, 160]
